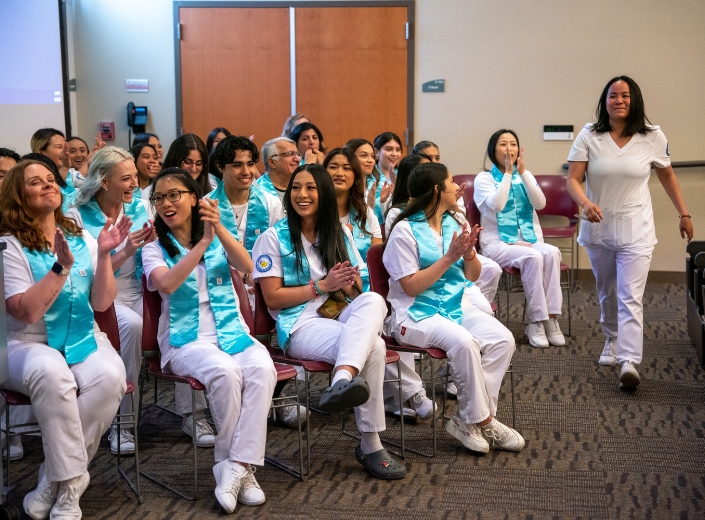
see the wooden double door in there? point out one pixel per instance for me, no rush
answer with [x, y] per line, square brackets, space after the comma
[351, 68]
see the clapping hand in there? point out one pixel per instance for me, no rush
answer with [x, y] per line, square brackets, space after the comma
[139, 238]
[391, 174]
[61, 248]
[386, 191]
[520, 162]
[372, 195]
[459, 193]
[462, 244]
[110, 239]
[340, 276]
[210, 215]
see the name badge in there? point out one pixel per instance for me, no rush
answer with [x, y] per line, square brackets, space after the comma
[362, 235]
[219, 281]
[82, 273]
[256, 231]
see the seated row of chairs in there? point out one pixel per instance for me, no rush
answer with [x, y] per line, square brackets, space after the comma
[695, 279]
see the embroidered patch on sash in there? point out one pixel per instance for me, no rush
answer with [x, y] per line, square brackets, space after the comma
[82, 273]
[256, 231]
[362, 235]
[264, 263]
[219, 281]
[403, 331]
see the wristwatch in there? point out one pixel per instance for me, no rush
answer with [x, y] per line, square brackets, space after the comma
[59, 269]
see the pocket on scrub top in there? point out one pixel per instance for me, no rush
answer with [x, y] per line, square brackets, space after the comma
[629, 224]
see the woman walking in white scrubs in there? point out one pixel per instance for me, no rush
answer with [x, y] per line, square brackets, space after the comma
[508, 197]
[202, 333]
[56, 274]
[308, 266]
[108, 193]
[615, 155]
[429, 257]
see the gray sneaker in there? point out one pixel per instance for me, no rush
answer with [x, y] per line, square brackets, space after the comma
[629, 377]
[608, 357]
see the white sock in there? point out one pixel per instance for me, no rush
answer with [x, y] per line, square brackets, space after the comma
[369, 442]
[341, 374]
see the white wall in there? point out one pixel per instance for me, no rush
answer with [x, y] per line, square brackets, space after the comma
[507, 63]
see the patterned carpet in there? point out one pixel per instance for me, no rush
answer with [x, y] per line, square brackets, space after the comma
[592, 451]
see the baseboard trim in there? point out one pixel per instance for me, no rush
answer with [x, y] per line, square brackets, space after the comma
[586, 275]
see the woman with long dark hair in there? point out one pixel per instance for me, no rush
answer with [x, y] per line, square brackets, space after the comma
[388, 150]
[152, 140]
[216, 135]
[189, 153]
[202, 333]
[309, 267]
[147, 164]
[508, 196]
[309, 142]
[344, 169]
[60, 359]
[430, 257]
[615, 154]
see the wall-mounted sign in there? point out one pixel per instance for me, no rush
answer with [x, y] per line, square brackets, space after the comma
[136, 85]
[435, 85]
[557, 132]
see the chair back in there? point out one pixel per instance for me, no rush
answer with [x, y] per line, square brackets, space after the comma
[264, 323]
[471, 211]
[379, 277]
[151, 310]
[107, 322]
[558, 201]
[245, 308]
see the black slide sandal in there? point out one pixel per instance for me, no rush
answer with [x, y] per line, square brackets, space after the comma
[381, 465]
[345, 394]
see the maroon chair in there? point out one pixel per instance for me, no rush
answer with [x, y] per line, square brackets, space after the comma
[107, 323]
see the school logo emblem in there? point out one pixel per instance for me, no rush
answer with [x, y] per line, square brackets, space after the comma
[80, 176]
[82, 273]
[264, 263]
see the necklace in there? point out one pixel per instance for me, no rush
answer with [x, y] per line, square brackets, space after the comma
[238, 215]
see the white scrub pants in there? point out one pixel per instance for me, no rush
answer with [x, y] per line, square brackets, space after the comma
[489, 277]
[71, 426]
[352, 339]
[129, 319]
[620, 277]
[479, 351]
[540, 267]
[239, 390]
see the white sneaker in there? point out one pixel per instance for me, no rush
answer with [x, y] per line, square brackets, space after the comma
[608, 357]
[39, 502]
[288, 416]
[390, 406]
[70, 491]
[452, 389]
[422, 405]
[629, 377]
[16, 449]
[553, 332]
[127, 442]
[228, 480]
[205, 437]
[503, 436]
[536, 334]
[250, 493]
[468, 434]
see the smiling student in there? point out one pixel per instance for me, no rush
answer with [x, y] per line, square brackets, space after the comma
[202, 333]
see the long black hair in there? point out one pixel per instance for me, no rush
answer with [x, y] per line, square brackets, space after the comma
[492, 144]
[356, 198]
[180, 150]
[143, 138]
[300, 129]
[163, 230]
[400, 196]
[330, 242]
[354, 144]
[422, 183]
[212, 168]
[636, 119]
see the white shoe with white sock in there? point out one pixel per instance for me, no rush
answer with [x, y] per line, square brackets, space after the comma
[468, 434]
[250, 493]
[205, 436]
[390, 406]
[228, 480]
[422, 405]
[608, 357]
[38, 503]
[127, 442]
[553, 332]
[16, 449]
[536, 334]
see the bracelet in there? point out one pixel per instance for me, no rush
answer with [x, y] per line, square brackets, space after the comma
[315, 292]
[474, 254]
[318, 289]
[685, 216]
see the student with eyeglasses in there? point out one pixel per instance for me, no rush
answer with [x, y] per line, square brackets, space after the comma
[202, 333]
[280, 158]
[189, 153]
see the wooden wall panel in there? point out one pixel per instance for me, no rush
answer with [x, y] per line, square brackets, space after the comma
[235, 71]
[351, 74]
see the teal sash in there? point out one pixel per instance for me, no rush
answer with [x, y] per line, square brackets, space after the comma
[68, 198]
[257, 214]
[69, 320]
[265, 184]
[295, 278]
[518, 213]
[183, 318]
[446, 295]
[69, 181]
[94, 221]
[363, 242]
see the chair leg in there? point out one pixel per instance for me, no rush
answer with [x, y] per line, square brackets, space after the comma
[433, 394]
[508, 280]
[7, 441]
[401, 409]
[308, 423]
[298, 420]
[194, 437]
[570, 321]
[514, 410]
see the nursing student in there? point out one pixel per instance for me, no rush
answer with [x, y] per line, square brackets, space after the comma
[430, 257]
[388, 150]
[56, 275]
[107, 194]
[309, 142]
[508, 197]
[615, 155]
[202, 333]
[308, 268]
[147, 165]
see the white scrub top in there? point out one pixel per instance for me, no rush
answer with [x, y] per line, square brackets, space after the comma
[618, 182]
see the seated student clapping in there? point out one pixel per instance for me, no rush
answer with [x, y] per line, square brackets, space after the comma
[429, 257]
[55, 276]
[202, 333]
[309, 268]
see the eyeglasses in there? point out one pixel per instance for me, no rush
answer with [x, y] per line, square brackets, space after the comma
[189, 162]
[287, 154]
[171, 196]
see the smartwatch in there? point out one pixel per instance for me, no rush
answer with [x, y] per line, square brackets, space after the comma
[59, 269]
